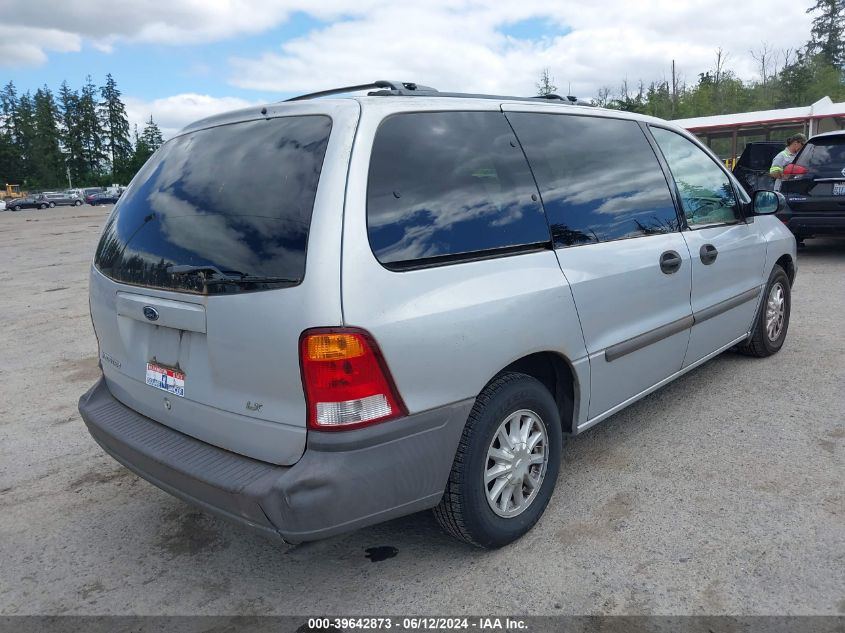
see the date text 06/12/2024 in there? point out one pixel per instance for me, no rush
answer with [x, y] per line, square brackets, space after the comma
[418, 624]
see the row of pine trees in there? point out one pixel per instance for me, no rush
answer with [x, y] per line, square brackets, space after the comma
[82, 136]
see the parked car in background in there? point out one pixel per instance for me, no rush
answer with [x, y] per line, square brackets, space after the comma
[814, 187]
[60, 199]
[102, 197]
[90, 191]
[30, 202]
[752, 168]
[527, 270]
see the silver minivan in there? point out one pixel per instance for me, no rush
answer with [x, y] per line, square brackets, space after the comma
[329, 312]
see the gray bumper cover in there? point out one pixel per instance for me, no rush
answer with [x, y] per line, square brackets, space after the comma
[344, 480]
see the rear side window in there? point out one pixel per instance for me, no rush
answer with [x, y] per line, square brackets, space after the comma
[447, 185]
[599, 177]
[228, 203]
[824, 153]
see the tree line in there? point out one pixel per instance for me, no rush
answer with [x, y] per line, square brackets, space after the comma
[786, 78]
[80, 134]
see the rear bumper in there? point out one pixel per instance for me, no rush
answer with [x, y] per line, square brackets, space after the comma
[814, 223]
[344, 480]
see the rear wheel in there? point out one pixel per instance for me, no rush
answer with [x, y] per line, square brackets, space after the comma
[42, 206]
[52, 204]
[772, 321]
[506, 464]
[77, 203]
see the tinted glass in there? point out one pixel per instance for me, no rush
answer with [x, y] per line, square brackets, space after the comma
[237, 198]
[599, 177]
[443, 184]
[707, 196]
[827, 155]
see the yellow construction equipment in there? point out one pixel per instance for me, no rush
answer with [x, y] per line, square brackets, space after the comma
[12, 192]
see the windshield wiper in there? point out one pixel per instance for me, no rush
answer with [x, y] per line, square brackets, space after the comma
[175, 270]
[246, 279]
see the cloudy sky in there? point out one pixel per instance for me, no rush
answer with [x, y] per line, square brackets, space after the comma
[180, 60]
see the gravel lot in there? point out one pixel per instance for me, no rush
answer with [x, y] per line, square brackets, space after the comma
[723, 493]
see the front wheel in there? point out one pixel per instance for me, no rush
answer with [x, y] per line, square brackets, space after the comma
[52, 204]
[42, 206]
[772, 320]
[77, 203]
[506, 464]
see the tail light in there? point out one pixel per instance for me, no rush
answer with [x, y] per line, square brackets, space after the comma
[794, 171]
[346, 381]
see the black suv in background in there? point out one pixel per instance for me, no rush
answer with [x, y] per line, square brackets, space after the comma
[814, 187]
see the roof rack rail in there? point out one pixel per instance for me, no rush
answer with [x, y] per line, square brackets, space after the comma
[569, 98]
[385, 88]
[388, 88]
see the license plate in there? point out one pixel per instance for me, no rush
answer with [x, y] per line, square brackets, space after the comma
[839, 189]
[166, 379]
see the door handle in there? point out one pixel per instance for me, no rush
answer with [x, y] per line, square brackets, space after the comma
[670, 262]
[708, 254]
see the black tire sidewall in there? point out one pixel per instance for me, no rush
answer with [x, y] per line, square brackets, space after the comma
[486, 527]
[777, 275]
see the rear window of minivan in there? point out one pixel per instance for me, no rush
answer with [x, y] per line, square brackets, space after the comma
[232, 202]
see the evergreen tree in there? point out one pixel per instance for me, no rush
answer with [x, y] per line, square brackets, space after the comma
[142, 152]
[115, 126]
[49, 169]
[24, 134]
[91, 134]
[10, 160]
[152, 135]
[70, 134]
[826, 36]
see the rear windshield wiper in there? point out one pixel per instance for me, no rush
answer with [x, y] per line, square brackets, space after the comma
[175, 270]
[246, 279]
[228, 277]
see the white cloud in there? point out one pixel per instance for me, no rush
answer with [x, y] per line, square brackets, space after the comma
[173, 113]
[171, 22]
[461, 47]
[454, 45]
[27, 46]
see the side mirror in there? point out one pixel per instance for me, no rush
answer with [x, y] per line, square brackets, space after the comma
[768, 202]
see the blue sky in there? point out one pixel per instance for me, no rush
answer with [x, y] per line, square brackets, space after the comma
[153, 70]
[182, 59]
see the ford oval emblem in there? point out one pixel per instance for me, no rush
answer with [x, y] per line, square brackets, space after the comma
[151, 313]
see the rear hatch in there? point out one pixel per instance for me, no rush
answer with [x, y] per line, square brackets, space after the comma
[815, 183]
[752, 168]
[200, 288]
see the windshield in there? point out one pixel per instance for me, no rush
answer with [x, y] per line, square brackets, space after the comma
[235, 198]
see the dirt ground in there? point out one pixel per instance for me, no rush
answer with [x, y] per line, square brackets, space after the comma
[723, 493]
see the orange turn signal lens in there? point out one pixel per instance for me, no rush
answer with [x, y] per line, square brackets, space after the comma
[334, 347]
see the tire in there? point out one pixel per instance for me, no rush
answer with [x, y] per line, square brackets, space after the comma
[77, 203]
[465, 511]
[15, 208]
[52, 204]
[772, 320]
